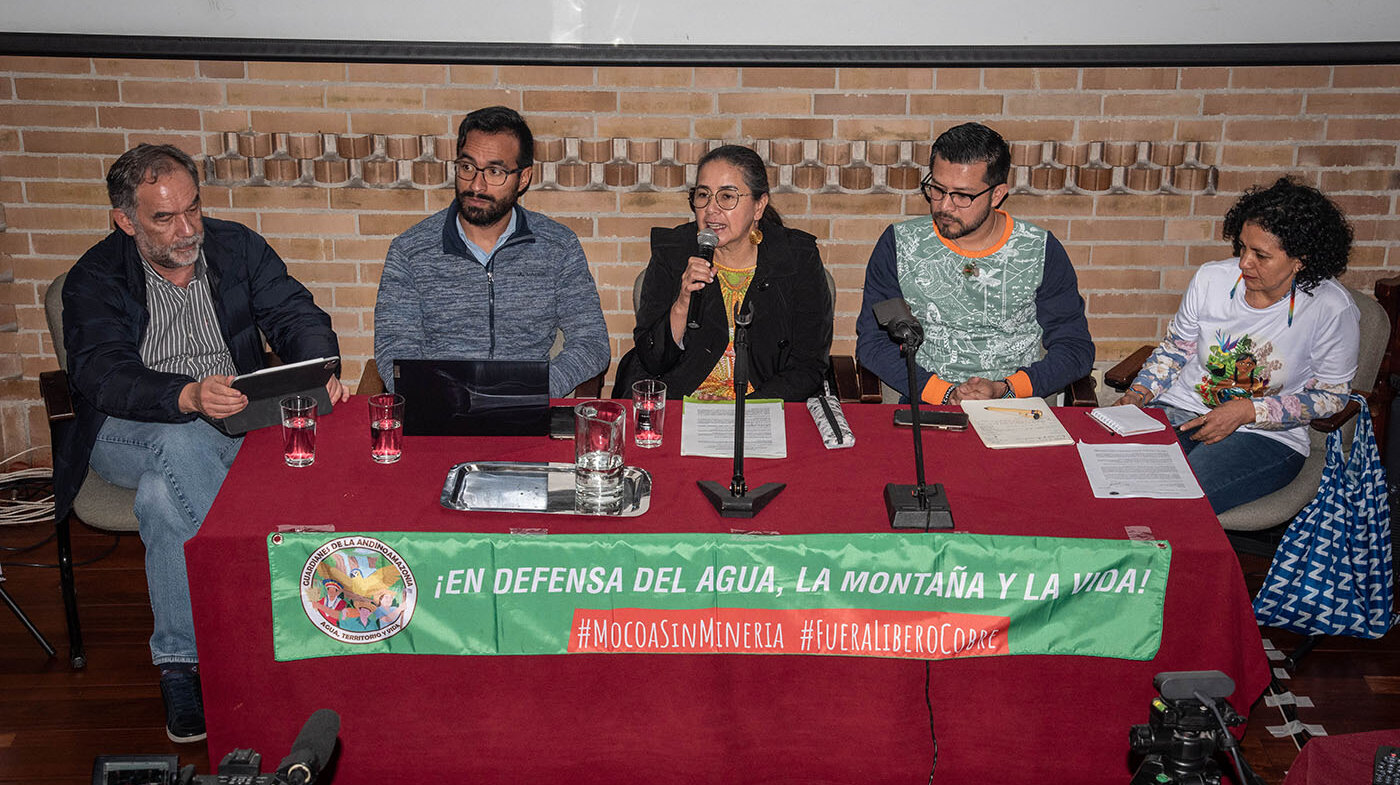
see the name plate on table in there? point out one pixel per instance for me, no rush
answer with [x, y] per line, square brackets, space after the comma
[878, 595]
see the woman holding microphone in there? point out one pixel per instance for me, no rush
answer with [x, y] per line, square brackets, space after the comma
[758, 265]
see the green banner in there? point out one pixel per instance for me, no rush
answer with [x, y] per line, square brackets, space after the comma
[917, 596]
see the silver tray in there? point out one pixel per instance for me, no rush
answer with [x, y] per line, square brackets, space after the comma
[519, 486]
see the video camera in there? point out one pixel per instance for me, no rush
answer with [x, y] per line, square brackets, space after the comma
[310, 753]
[1190, 718]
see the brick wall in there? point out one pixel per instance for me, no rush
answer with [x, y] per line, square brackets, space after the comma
[1131, 167]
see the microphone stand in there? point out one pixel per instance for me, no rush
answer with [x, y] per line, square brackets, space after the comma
[918, 506]
[736, 501]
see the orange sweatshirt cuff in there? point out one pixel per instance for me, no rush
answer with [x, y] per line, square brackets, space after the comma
[934, 390]
[1020, 384]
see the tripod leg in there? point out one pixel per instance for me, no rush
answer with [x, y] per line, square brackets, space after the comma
[28, 625]
[1308, 644]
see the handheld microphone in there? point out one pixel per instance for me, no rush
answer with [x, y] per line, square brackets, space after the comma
[312, 749]
[707, 240]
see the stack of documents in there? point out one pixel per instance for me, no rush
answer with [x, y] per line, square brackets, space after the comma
[1139, 471]
[707, 428]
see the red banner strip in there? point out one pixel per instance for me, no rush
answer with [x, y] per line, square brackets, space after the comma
[842, 631]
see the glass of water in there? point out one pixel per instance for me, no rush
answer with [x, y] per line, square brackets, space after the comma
[648, 412]
[385, 427]
[299, 430]
[599, 430]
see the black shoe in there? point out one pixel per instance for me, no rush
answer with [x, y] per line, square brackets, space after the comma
[184, 703]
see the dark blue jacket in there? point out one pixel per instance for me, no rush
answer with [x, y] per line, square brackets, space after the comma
[105, 316]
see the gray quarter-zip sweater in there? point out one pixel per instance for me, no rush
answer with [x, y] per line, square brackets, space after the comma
[437, 301]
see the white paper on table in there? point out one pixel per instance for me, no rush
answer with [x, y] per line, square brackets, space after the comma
[707, 429]
[1002, 430]
[1138, 471]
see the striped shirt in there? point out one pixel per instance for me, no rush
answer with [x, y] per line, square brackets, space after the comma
[183, 335]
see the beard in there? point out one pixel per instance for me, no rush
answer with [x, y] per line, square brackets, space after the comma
[495, 210]
[953, 228]
[171, 257]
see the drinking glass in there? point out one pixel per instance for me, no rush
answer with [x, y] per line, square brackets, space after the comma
[299, 430]
[648, 412]
[599, 430]
[385, 427]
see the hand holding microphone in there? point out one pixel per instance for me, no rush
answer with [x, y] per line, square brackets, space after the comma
[707, 240]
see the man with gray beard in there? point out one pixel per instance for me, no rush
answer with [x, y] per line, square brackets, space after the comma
[486, 278]
[158, 318]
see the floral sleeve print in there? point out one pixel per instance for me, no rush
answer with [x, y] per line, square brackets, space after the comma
[1165, 363]
[1277, 412]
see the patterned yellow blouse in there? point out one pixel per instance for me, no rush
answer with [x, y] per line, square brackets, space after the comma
[733, 284]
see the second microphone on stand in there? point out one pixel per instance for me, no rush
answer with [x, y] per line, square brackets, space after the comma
[708, 240]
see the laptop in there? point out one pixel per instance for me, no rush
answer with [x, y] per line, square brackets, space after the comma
[474, 397]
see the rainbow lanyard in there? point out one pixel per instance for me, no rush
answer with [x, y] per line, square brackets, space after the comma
[1292, 296]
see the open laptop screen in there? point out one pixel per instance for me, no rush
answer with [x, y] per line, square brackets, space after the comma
[474, 397]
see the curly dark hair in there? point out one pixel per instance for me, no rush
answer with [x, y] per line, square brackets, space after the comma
[1309, 228]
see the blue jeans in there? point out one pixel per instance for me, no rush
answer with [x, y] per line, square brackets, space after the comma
[176, 470]
[1240, 468]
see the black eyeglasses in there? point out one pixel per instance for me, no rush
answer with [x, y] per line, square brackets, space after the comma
[933, 193]
[727, 199]
[495, 175]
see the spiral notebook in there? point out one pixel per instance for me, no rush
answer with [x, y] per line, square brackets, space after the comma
[1126, 420]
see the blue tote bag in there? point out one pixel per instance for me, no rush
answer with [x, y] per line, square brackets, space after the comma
[1331, 574]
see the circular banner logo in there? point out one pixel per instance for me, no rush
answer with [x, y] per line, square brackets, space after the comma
[358, 590]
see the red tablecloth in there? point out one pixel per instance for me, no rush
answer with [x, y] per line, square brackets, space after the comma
[704, 718]
[1348, 759]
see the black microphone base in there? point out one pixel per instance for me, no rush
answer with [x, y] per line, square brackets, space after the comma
[730, 506]
[902, 504]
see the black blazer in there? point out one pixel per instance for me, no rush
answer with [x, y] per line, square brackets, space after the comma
[791, 333]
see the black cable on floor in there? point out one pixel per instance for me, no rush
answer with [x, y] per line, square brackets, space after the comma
[928, 701]
[27, 548]
[116, 540]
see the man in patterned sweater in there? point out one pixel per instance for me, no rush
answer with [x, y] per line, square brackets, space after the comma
[486, 278]
[997, 297]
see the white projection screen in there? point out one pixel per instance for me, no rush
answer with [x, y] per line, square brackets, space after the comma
[877, 32]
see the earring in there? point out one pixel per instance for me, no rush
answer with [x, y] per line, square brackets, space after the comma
[755, 236]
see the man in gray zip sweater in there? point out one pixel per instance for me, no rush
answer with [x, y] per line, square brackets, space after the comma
[486, 278]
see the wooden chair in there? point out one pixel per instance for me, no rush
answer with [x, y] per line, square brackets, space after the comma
[99, 504]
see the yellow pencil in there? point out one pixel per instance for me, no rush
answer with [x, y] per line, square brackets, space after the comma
[1034, 414]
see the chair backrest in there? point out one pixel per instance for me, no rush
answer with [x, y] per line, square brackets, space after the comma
[53, 312]
[1375, 334]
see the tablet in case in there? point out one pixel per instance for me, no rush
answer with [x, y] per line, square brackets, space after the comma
[266, 389]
